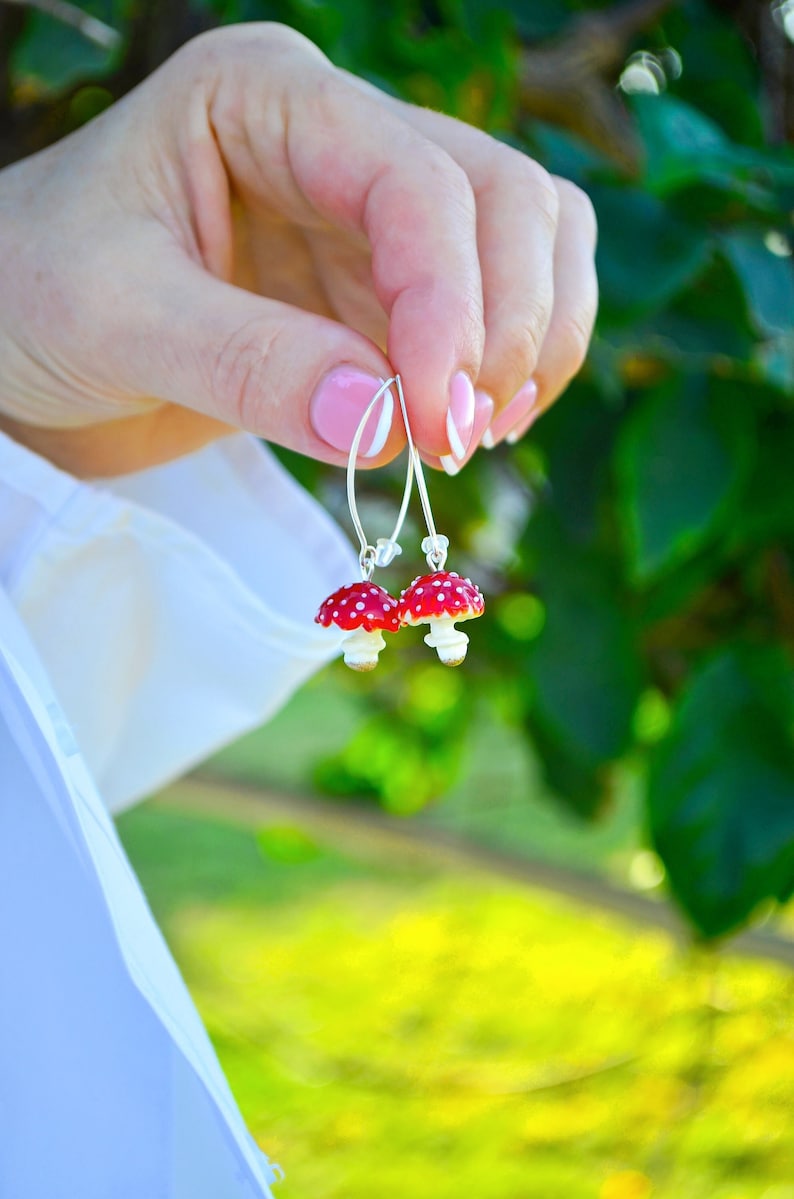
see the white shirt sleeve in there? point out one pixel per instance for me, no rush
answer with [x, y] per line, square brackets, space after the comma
[98, 1036]
[172, 609]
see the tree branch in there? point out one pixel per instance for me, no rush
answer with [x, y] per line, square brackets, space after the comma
[565, 82]
[92, 28]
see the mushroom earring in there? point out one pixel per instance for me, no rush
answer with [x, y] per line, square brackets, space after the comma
[440, 599]
[363, 609]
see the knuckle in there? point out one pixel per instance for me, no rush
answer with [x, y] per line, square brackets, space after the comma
[471, 321]
[545, 197]
[206, 51]
[443, 168]
[234, 44]
[574, 338]
[534, 326]
[522, 342]
[512, 171]
[239, 374]
[579, 205]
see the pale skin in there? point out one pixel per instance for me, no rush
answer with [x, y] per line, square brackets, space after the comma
[203, 254]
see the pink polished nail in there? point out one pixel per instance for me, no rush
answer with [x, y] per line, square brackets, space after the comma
[483, 411]
[518, 415]
[338, 405]
[460, 420]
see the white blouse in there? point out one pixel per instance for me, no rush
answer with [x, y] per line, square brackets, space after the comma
[142, 625]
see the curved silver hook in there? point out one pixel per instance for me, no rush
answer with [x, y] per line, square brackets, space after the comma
[385, 549]
[435, 545]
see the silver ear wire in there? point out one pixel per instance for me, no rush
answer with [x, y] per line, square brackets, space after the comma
[435, 545]
[386, 549]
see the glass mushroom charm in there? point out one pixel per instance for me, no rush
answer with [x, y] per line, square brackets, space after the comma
[363, 610]
[440, 600]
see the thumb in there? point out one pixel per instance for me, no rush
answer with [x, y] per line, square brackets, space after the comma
[287, 375]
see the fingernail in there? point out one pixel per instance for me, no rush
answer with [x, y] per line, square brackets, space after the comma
[514, 419]
[338, 405]
[460, 421]
[483, 414]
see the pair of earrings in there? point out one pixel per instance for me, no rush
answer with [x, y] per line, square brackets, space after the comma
[440, 599]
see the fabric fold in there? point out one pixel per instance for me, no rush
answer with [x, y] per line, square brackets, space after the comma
[109, 1084]
[173, 609]
[142, 625]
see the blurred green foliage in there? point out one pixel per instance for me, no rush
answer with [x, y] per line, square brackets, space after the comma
[637, 550]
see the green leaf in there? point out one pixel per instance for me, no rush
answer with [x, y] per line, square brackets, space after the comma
[685, 148]
[645, 255]
[720, 73]
[404, 767]
[721, 789]
[709, 320]
[570, 775]
[682, 459]
[766, 510]
[775, 361]
[583, 665]
[576, 438]
[287, 843]
[564, 153]
[534, 22]
[683, 145]
[768, 280]
[53, 56]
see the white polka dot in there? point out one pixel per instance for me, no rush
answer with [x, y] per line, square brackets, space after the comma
[436, 582]
[335, 614]
[360, 607]
[441, 597]
[419, 590]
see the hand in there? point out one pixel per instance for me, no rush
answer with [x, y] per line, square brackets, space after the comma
[251, 231]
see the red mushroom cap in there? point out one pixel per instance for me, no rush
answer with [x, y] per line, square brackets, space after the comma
[359, 606]
[443, 593]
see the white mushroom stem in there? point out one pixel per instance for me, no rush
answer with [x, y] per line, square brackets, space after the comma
[450, 643]
[361, 649]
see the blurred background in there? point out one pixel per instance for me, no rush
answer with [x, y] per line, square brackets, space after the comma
[520, 929]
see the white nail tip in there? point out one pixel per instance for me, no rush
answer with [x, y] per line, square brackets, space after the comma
[453, 436]
[512, 437]
[383, 428]
[450, 465]
[487, 440]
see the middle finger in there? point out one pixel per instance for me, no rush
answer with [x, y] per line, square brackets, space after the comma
[517, 213]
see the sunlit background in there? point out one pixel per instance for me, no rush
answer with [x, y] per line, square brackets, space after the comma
[518, 930]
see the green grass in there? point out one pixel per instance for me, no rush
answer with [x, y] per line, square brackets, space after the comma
[499, 802]
[393, 1028]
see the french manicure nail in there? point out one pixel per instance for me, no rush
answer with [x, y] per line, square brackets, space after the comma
[460, 415]
[483, 411]
[338, 405]
[517, 416]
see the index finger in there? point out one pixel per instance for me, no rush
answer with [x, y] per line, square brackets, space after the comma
[321, 151]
